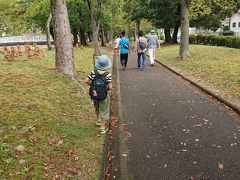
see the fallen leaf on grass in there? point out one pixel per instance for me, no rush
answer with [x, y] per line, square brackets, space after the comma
[20, 148]
[72, 170]
[70, 152]
[33, 140]
[220, 166]
[124, 155]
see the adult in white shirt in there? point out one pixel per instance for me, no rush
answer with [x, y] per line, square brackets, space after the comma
[152, 46]
[116, 44]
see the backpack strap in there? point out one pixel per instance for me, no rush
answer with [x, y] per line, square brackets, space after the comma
[97, 73]
[105, 74]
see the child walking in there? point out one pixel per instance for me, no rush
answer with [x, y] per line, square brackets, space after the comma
[100, 82]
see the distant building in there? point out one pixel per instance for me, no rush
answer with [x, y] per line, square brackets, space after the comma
[234, 23]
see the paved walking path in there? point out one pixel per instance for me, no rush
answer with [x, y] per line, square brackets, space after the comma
[173, 130]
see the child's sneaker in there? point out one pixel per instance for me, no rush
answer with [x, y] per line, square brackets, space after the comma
[103, 130]
[98, 123]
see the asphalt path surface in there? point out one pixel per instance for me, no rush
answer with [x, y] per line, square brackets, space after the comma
[175, 131]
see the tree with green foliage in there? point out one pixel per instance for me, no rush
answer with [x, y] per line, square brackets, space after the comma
[12, 17]
[184, 44]
[209, 14]
[136, 11]
[165, 14]
[95, 10]
[63, 42]
[47, 29]
[220, 8]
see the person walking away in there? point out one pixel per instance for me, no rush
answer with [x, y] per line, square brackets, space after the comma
[100, 82]
[116, 50]
[152, 45]
[124, 45]
[141, 48]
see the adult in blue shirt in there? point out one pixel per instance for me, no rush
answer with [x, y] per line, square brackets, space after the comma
[124, 45]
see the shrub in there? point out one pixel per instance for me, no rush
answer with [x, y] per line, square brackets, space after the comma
[199, 39]
[204, 40]
[235, 42]
[222, 41]
[192, 39]
[228, 33]
[229, 42]
[214, 40]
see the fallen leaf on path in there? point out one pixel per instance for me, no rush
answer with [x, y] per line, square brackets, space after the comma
[197, 125]
[220, 166]
[205, 120]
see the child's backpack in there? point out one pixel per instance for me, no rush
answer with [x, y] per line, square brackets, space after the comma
[142, 44]
[98, 87]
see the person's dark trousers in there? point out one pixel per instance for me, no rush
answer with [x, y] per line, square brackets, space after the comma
[139, 59]
[124, 59]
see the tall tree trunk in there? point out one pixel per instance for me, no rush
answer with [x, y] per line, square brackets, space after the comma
[138, 25]
[52, 33]
[47, 29]
[90, 36]
[111, 41]
[95, 28]
[167, 35]
[82, 35]
[135, 34]
[110, 38]
[175, 33]
[75, 37]
[63, 43]
[103, 38]
[126, 28]
[184, 44]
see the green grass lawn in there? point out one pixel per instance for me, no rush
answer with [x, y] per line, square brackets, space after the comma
[46, 113]
[217, 68]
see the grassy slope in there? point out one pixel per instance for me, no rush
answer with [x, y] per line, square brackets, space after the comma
[215, 67]
[43, 111]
